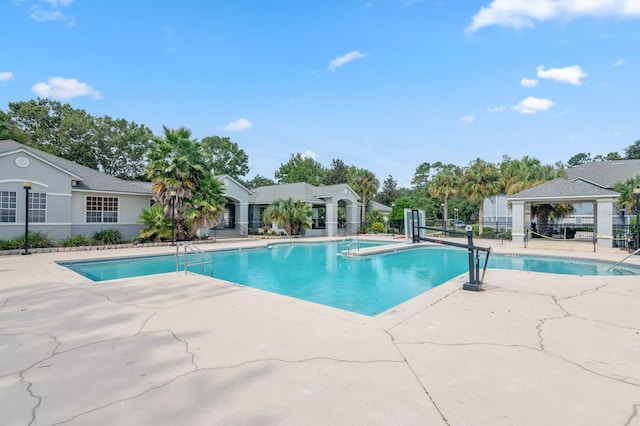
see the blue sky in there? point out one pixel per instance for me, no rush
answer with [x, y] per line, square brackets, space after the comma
[384, 85]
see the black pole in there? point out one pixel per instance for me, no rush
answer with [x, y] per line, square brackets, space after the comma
[474, 283]
[637, 191]
[173, 220]
[27, 187]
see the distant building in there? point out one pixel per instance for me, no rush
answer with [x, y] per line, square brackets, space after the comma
[68, 199]
[589, 188]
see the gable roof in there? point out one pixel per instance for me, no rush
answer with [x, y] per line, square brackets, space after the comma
[298, 191]
[379, 207]
[563, 190]
[605, 174]
[88, 179]
[222, 178]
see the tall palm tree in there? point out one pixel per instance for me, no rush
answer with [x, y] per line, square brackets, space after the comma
[479, 181]
[518, 175]
[177, 165]
[206, 205]
[365, 183]
[444, 185]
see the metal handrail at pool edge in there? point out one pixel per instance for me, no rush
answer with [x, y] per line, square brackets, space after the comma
[194, 249]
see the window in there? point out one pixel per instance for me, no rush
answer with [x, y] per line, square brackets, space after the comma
[102, 210]
[7, 206]
[37, 207]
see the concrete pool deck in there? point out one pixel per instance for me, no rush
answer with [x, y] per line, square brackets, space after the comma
[531, 349]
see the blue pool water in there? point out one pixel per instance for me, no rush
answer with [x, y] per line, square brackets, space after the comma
[315, 271]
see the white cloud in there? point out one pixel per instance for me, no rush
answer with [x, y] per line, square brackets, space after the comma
[532, 105]
[524, 13]
[571, 75]
[309, 154]
[238, 125]
[40, 15]
[496, 109]
[619, 63]
[5, 76]
[467, 119]
[64, 88]
[50, 12]
[528, 82]
[58, 3]
[338, 62]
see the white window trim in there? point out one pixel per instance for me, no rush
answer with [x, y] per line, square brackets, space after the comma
[86, 197]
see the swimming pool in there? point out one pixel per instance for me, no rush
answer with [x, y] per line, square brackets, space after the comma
[316, 272]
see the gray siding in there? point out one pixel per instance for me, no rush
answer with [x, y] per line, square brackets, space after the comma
[56, 184]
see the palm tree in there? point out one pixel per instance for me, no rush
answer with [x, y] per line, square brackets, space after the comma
[158, 225]
[177, 166]
[479, 181]
[367, 185]
[291, 215]
[278, 212]
[627, 199]
[174, 166]
[206, 205]
[301, 216]
[443, 185]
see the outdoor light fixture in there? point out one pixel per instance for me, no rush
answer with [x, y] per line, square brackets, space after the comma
[27, 186]
[636, 193]
[173, 217]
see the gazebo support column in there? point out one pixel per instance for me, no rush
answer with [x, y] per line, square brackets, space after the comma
[518, 227]
[604, 222]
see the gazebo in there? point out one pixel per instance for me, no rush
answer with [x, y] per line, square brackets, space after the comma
[565, 191]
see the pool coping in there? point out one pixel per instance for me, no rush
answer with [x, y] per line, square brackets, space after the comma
[530, 348]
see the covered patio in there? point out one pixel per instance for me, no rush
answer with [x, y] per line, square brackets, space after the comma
[565, 191]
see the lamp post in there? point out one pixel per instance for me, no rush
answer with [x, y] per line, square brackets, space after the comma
[444, 219]
[27, 186]
[173, 217]
[636, 193]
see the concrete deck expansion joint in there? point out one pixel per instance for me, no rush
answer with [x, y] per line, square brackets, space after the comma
[531, 349]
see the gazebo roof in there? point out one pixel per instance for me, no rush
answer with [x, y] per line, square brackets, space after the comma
[564, 190]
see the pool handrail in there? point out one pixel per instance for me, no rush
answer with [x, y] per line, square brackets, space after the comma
[348, 242]
[625, 258]
[287, 234]
[189, 246]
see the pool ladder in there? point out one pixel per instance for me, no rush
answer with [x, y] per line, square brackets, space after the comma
[200, 257]
[617, 263]
[348, 243]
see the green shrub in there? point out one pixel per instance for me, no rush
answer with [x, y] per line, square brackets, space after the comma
[108, 236]
[377, 227]
[37, 239]
[12, 244]
[77, 240]
[488, 232]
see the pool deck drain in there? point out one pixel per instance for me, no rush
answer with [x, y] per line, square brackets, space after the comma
[531, 349]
